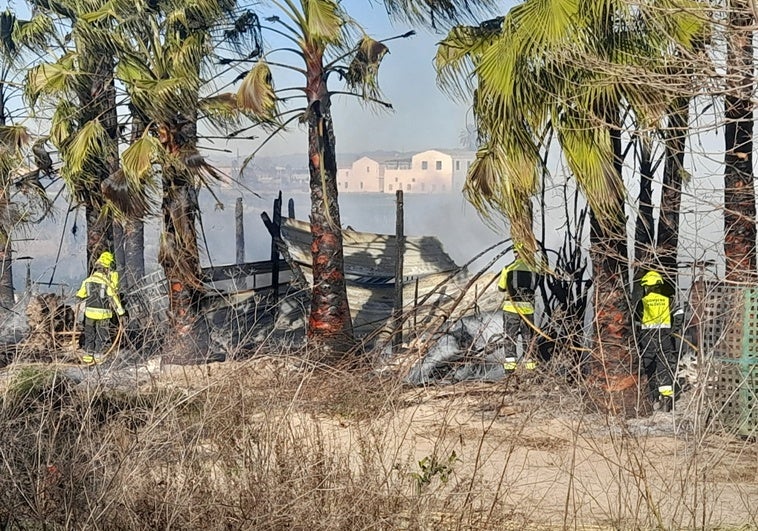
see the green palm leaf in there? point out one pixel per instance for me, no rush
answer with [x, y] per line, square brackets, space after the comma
[88, 143]
[50, 79]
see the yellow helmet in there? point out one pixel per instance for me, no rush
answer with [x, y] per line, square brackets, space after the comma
[106, 259]
[651, 278]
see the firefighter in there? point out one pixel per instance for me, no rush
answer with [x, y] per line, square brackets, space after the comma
[519, 281]
[657, 355]
[101, 299]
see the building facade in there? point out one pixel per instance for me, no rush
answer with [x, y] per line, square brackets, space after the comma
[429, 172]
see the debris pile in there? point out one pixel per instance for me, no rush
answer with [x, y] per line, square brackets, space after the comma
[51, 327]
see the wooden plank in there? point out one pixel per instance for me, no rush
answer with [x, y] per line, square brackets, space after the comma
[230, 272]
[372, 255]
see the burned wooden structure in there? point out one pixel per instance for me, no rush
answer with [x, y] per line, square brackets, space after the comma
[247, 301]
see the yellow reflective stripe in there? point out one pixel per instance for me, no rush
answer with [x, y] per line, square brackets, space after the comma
[510, 364]
[653, 326]
[666, 390]
[97, 313]
[523, 308]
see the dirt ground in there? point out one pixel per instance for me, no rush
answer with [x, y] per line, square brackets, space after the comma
[522, 451]
[526, 448]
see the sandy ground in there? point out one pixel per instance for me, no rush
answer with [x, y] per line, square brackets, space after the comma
[526, 448]
[520, 448]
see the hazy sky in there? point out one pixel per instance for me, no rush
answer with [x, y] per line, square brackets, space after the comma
[423, 116]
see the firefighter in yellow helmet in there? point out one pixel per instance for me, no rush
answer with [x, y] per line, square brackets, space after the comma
[657, 355]
[519, 281]
[101, 299]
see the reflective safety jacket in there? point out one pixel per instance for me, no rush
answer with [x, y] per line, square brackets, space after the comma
[519, 282]
[656, 311]
[100, 297]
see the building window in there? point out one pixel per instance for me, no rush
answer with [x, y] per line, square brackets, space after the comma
[408, 187]
[457, 165]
[438, 165]
[424, 165]
[395, 179]
[345, 185]
[413, 180]
[368, 169]
[390, 187]
[361, 185]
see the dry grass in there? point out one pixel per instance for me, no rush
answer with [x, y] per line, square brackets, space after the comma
[274, 443]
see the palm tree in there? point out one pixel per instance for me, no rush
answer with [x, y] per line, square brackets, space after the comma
[739, 186]
[80, 87]
[15, 36]
[317, 28]
[162, 50]
[546, 67]
[318, 32]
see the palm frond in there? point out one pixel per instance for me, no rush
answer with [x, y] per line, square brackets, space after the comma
[436, 13]
[589, 154]
[363, 72]
[50, 79]
[14, 137]
[324, 21]
[35, 32]
[88, 143]
[124, 201]
[7, 42]
[459, 51]
[256, 93]
[63, 123]
[221, 110]
[138, 159]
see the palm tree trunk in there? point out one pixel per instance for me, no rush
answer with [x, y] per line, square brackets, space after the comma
[134, 252]
[643, 232]
[134, 230]
[179, 254]
[7, 298]
[667, 244]
[329, 324]
[613, 371]
[97, 97]
[739, 186]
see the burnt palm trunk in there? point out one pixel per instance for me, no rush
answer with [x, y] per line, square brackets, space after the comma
[671, 195]
[613, 371]
[643, 232]
[739, 187]
[134, 252]
[97, 98]
[134, 230]
[329, 324]
[7, 298]
[179, 254]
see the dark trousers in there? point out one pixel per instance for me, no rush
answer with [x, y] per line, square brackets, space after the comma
[515, 324]
[658, 357]
[97, 335]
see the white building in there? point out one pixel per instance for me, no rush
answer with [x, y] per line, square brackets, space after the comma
[428, 172]
[364, 175]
